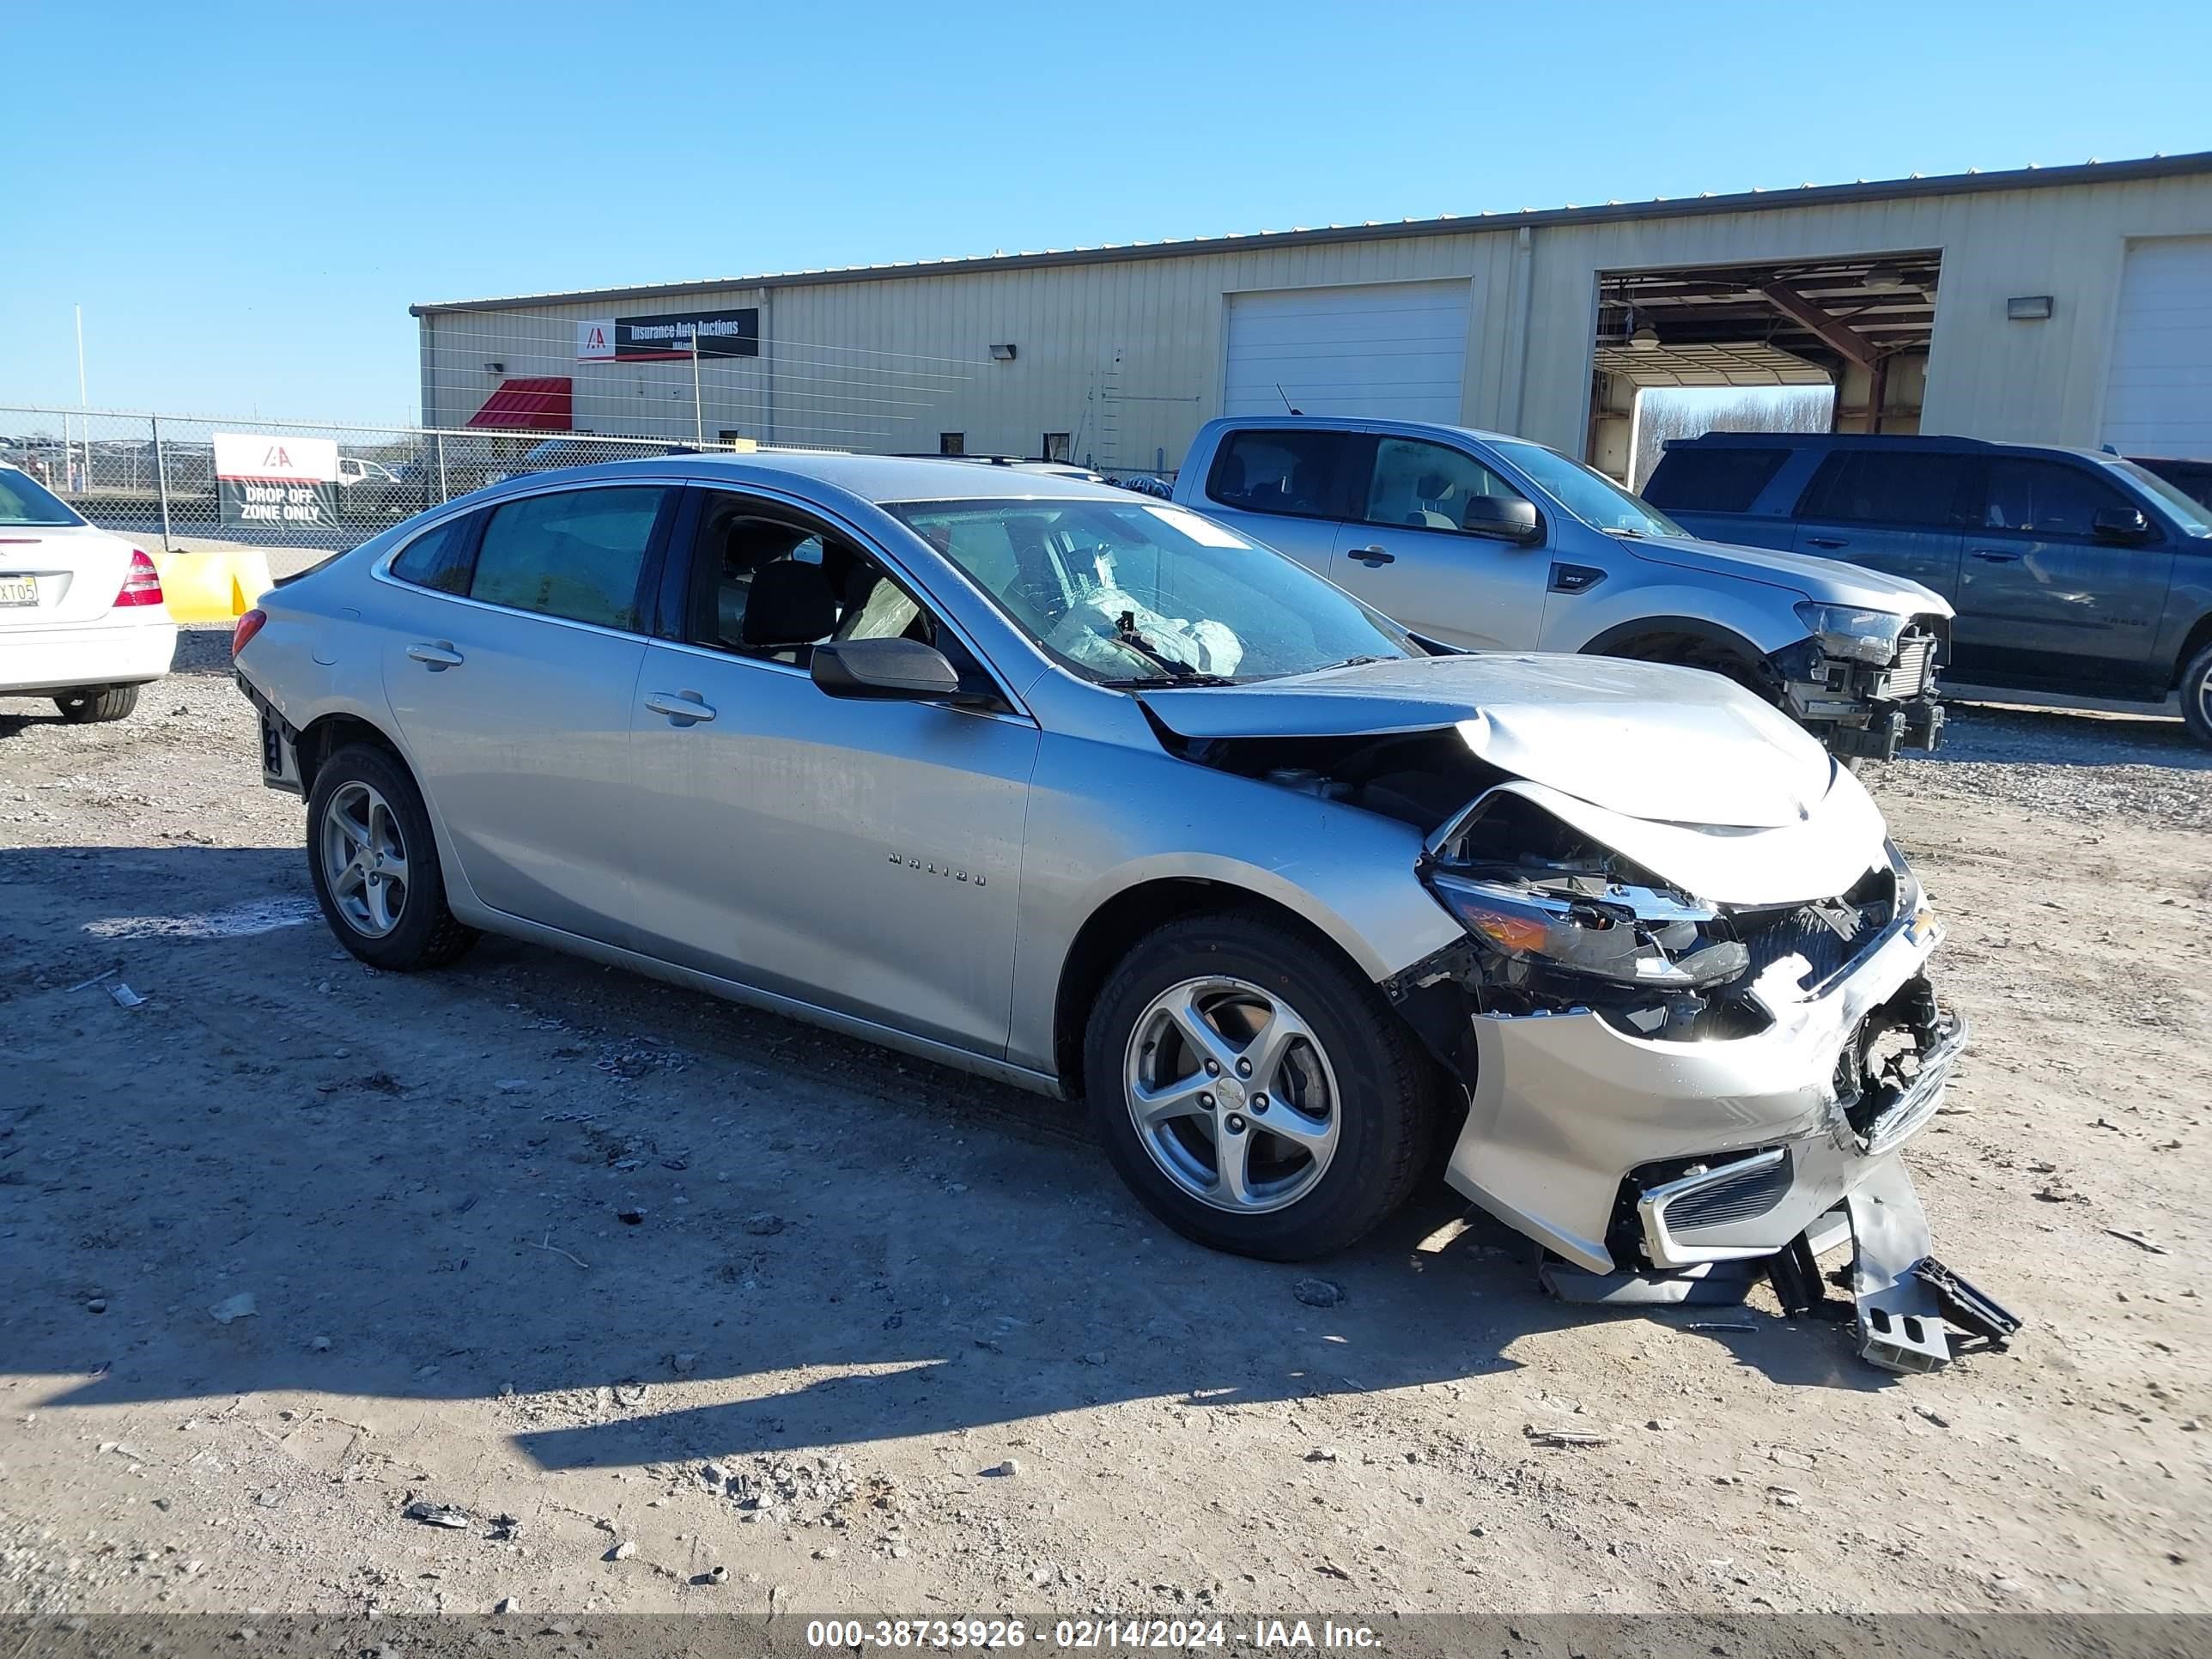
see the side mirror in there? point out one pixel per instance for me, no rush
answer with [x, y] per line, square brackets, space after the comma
[1506, 518]
[2121, 524]
[904, 670]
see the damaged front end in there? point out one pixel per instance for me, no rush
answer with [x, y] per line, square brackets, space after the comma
[1866, 692]
[1690, 1001]
[1676, 1096]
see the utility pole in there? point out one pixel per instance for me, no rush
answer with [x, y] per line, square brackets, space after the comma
[82, 403]
[698, 410]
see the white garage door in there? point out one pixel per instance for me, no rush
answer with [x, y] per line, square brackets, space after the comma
[2157, 396]
[1389, 348]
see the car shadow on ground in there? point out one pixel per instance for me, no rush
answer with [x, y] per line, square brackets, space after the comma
[669, 1226]
[2008, 734]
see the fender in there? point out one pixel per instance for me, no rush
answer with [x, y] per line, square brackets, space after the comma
[1695, 628]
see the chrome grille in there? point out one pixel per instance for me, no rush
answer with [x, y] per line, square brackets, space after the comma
[1914, 669]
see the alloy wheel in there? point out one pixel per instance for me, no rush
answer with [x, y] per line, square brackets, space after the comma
[1232, 1094]
[364, 860]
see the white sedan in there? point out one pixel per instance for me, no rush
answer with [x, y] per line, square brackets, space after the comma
[81, 619]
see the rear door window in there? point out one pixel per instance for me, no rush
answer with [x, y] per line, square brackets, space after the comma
[1915, 489]
[1427, 486]
[1276, 469]
[2047, 498]
[579, 554]
[441, 557]
[1715, 480]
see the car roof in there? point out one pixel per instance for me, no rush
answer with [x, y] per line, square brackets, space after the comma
[1362, 423]
[1930, 441]
[878, 479]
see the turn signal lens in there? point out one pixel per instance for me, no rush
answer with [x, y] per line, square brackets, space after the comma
[248, 626]
[1509, 933]
[141, 584]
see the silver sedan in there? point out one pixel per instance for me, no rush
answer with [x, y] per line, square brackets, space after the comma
[1090, 794]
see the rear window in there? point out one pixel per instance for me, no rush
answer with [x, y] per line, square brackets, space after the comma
[1712, 480]
[1902, 487]
[1279, 470]
[25, 501]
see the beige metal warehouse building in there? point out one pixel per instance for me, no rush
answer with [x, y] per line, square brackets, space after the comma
[2069, 305]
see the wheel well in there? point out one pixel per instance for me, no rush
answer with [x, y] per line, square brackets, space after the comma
[1691, 643]
[2199, 637]
[325, 737]
[1118, 924]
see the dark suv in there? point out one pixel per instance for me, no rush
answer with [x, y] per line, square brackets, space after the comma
[2075, 575]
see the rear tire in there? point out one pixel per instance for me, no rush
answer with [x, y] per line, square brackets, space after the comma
[1302, 1172]
[374, 862]
[2197, 696]
[90, 704]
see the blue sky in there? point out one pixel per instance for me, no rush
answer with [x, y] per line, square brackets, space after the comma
[245, 199]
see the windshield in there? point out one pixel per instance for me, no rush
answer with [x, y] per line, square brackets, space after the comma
[1587, 492]
[1144, 593]
[24, 500]
[2188, 512]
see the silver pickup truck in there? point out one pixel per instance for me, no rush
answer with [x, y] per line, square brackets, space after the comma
[1490, 542]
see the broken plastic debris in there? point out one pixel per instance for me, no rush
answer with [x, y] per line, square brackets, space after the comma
[1544, 1436]
[437, 1515]
[240, 1306]
[124, 995]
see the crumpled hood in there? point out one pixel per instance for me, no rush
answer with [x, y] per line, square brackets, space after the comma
[1675, 745]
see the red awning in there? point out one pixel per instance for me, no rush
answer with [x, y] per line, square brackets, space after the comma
[540, 404]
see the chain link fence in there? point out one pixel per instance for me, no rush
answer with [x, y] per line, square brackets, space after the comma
[155, 476]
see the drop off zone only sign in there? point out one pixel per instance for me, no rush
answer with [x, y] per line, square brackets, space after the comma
[268, 481]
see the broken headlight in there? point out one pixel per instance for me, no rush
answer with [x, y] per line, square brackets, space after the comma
[1621, 936]
[1853, 632]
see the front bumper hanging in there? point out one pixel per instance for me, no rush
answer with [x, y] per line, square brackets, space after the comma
[1907, 1303]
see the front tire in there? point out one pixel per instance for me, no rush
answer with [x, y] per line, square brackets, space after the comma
[1258, 1096]
[2197, 696]
[91, 704]
[374, 864]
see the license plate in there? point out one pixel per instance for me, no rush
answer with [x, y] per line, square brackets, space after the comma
[19, 590]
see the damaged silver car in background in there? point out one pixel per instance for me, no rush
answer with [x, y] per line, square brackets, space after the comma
[1095, 796]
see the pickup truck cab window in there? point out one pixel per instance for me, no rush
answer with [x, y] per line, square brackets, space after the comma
[1276, 469]
[1428, 486]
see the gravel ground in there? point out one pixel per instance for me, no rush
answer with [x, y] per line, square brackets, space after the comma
[649, 1303]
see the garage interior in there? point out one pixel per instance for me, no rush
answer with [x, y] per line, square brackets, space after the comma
[1859, 324]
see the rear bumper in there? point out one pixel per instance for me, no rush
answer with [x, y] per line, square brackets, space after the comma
[1619, 1151]
[69, 656]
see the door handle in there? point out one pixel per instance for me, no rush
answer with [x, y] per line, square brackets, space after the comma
[436, 657]
[686, 707]
[1825, 541]
[1993, 556]
[1372, 556]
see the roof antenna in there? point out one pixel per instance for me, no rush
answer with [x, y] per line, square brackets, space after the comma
[1285, 396]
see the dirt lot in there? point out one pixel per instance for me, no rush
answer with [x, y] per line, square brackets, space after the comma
[884, 1337]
